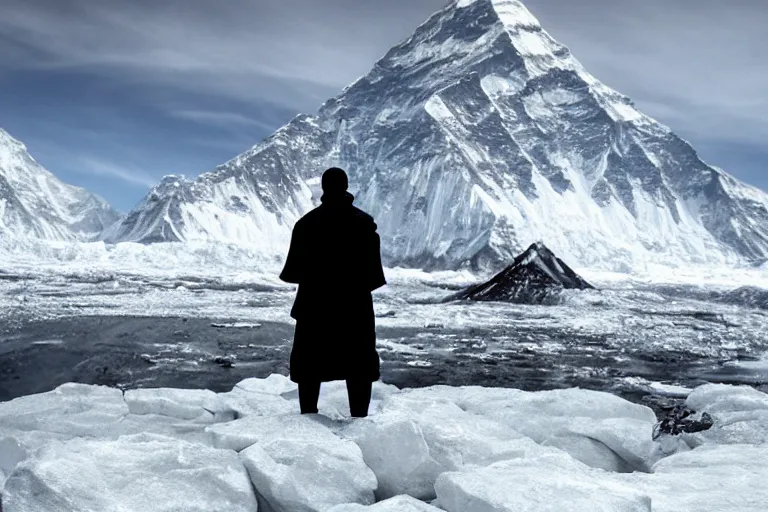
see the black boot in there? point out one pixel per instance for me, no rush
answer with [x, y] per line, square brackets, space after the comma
[359, 393]
[309, 393]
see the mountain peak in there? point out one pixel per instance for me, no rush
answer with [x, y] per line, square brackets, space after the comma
[11, 151]
[535, 276]
[170, 183]
[537, 247]
[476, 134]
[511, 12]
[537, 251]
[7, 137]
[35, 204]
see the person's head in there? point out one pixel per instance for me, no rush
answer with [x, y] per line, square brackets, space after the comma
[335, 181]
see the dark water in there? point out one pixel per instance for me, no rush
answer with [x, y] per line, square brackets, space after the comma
[130, 352]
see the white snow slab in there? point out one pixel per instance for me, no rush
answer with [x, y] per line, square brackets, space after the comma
[397, 452]
[11, 454]
[261, 397]
[719, 398]
[629, 439]
[625, 429]
[591, 452]
[78, 410]
[71, 410]
[550, 483]
[296, 463]
[711, 478]
[247, 403]
[657, 388]
[17, 445]
[186, 430]
[740, 414]
[187, 404]
[143, 473]
[413, 440]
[573, 402]
[397, 504]
[275, 384]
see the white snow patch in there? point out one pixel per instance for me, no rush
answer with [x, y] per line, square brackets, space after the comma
[403, 503]
[236, 325]
[658, 388]
[514, 14]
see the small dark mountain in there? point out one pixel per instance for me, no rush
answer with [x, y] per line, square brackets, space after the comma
[535, 276]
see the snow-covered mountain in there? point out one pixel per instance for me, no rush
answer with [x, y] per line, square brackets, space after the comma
[35, 204]
[475, 137]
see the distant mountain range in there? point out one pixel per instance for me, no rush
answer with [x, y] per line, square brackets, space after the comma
[475, 137]
[35, 204]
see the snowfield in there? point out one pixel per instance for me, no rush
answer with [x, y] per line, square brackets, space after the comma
[458, 449]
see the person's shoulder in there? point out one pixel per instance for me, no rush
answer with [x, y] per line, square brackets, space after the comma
[308, 218]
[362, 216]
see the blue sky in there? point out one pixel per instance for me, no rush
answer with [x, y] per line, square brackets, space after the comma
[112, 95]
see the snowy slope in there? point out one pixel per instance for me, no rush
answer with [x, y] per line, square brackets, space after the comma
[35, 204]
[472, 139]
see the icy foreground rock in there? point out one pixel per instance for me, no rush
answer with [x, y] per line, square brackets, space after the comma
[473, 138]
[740, 414]
[296, 463]
[142, 472]
[559, 483]
[468, 449]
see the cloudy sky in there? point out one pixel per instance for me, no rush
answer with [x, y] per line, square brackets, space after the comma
[114, 94]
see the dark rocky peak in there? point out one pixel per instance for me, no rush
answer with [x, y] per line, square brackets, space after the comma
[535, 276]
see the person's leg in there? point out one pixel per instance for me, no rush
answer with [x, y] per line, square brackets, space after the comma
[359, 393]
[309, 392]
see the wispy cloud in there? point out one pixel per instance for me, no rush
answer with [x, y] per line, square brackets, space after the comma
[221, 119]
[292, 52]
[128, 174]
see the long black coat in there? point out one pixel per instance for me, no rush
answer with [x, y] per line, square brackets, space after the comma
[336, 261]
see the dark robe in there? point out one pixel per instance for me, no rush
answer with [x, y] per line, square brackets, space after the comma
[336, 261]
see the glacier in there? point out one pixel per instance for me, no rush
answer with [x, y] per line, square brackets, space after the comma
[455, 449]
[35, 205]
[469, 141]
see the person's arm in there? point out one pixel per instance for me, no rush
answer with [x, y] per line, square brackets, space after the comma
[375, 269]
[293, 270]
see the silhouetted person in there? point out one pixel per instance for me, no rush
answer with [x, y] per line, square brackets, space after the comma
[335, 259]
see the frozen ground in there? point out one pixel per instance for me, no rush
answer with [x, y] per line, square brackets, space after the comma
[86, 448]
[210, 326]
